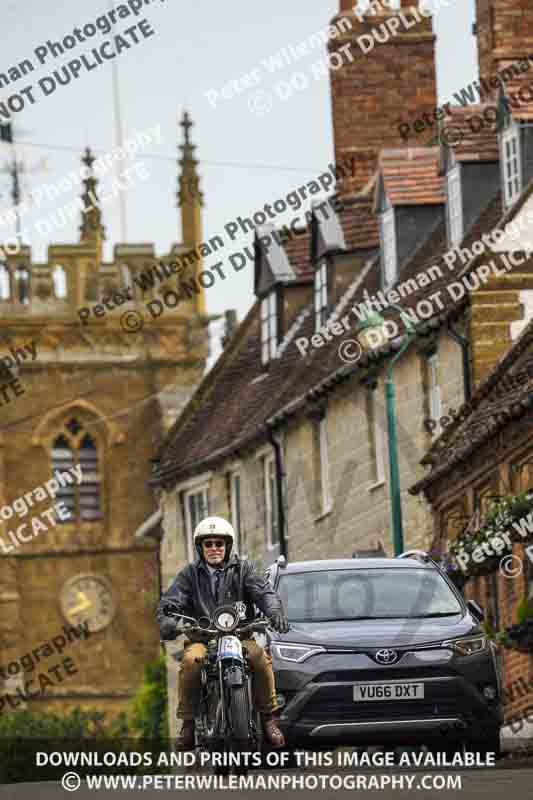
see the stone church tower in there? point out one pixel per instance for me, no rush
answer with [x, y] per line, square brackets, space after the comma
[90, 397]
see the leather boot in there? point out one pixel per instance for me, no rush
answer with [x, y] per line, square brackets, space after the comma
[272, 732]
[186, 740]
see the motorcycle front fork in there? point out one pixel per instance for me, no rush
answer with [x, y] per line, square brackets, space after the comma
[221, 727]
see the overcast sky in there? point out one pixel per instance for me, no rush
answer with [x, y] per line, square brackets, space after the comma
[249, 155]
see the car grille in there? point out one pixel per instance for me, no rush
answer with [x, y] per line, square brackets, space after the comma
[384, 674]
[336, 704]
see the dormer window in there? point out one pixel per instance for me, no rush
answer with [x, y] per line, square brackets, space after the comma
[321, 295]
[388, 245]
[511, 164]
[269, 327]
[455, 206]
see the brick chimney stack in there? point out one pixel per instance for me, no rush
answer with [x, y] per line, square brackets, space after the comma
[387, 77]
[504, 33]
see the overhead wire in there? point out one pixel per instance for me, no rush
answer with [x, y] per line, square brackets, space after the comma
[156, 156]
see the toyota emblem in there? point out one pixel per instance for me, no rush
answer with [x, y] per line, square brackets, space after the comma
[386, 656]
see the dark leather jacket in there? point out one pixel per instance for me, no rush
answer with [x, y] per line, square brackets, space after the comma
[191, 589]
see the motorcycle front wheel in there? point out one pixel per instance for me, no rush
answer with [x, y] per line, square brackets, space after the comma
[239, 715]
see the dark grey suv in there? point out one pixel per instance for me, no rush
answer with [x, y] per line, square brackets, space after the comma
[383, 651]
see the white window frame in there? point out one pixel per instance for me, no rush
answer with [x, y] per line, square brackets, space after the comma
[199, 489]
[455, 206]
[388, 244]
[511, 164]
[269, 463]
[435, 402]
[269, 327]
[378, 436]
[236, 510]
[321, 295]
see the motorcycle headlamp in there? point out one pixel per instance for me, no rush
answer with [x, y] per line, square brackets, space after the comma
[226, 619]
[467, 645]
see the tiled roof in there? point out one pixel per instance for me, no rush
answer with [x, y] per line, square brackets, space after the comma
[505, 394]
[238, 399]
[471, 135]
[359, 222]
[297, 248]
[411, 176]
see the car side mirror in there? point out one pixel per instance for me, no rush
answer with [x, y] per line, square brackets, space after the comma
[476, 610]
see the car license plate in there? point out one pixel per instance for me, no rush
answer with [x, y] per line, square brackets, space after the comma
[388, 691]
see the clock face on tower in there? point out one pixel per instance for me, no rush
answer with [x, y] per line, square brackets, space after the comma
[88, 598]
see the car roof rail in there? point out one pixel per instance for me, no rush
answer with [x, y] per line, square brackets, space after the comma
[272, 571]
[419, 555]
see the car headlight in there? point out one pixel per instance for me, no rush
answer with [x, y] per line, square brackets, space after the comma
[296, 652]
[467, 646]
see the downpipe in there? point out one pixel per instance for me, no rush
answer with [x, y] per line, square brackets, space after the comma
[278, 458]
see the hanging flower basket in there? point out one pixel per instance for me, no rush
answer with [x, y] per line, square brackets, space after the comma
[499, 519]
[519, 636]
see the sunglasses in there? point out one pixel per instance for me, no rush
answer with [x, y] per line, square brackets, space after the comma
[218, 544]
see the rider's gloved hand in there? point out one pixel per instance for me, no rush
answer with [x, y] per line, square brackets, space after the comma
[168, 629]
[279, 622]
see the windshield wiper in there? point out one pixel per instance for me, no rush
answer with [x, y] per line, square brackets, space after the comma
[395, 616]
[436, 614]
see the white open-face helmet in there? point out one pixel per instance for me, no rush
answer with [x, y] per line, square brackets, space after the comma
[214, 526]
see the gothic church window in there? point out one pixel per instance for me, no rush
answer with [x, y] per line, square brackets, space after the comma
[75, 447]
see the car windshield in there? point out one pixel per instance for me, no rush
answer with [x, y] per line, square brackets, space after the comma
[366, 594]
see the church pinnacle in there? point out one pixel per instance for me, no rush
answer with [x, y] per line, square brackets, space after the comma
[91, 228]
[189, 180]
[190, 197]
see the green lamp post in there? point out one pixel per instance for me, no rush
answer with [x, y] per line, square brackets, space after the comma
[375, 320]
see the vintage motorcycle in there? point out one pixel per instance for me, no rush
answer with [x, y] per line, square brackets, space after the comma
[226, 722]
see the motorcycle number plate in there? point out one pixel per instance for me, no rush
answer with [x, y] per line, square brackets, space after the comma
[230, 647]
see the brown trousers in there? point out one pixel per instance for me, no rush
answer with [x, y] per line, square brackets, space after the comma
[263, 688]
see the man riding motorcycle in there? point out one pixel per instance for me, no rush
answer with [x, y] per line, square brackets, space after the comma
[219, 577]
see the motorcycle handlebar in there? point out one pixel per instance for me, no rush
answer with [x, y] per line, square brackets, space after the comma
[252, 626]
